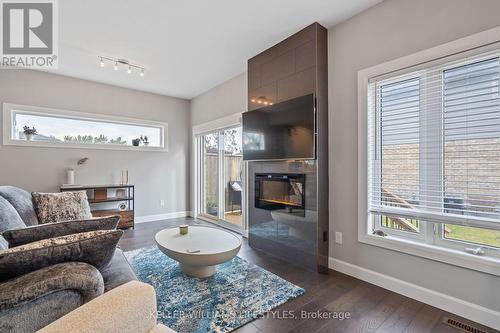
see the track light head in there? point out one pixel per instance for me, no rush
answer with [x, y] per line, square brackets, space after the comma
[117, 62]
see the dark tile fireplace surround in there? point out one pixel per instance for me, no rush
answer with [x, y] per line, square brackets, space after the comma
[288, 200]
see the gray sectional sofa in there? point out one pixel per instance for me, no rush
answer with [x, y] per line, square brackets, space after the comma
[34, 300]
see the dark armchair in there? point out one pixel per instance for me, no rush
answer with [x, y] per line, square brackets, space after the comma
[234, 193]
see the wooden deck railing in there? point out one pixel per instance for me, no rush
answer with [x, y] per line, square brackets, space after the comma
[399, 222]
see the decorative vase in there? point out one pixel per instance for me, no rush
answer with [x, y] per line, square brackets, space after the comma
[135, 142]
[70, 177]
[28, 136]
[124, 177]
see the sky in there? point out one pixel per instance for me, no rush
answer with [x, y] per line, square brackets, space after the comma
[59, 127]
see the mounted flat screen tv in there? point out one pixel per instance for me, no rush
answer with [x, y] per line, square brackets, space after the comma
[282, 131]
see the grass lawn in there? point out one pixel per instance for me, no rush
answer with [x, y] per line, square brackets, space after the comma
[475, 235]
[468, 234]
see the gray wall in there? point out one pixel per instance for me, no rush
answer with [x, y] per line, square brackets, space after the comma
[227, 98]
[157, 175]
[390, 30]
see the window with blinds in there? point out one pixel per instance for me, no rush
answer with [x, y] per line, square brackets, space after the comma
[434, 149]
[471, 139]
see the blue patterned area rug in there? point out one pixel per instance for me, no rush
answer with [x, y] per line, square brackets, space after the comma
[238, 292]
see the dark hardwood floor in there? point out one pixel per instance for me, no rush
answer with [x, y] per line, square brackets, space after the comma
[372, 309]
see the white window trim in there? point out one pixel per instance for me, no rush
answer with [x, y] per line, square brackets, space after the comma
[218, 124]
[229, 121]
[444, 254]
[9, 109]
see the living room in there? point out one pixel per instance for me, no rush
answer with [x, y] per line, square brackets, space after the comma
[319, 166]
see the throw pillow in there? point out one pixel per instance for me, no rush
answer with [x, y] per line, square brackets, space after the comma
[94, 247]
[65, 206]
[17, 237]
[22, 201]
[9, 219]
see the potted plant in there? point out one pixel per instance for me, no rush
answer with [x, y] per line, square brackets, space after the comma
[144, 140]
[29, 132]
[135, 142]
[211, 207]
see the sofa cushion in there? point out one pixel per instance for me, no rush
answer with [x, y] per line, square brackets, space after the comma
[27, 318]
[94, 247]
[35, 233]
[3, 243]
[117, 272]
[77, 276]
[9, 219]
[66, 206]
[22, 202]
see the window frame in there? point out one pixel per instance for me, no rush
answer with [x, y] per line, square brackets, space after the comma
[430, 233]
[10, 109]
[198, 131]
[439, 229]
[442, 250]
[422, 234]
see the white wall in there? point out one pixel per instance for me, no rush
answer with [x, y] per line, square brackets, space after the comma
[223, 100]
[157, 175]
[392, 29]
[227, 98]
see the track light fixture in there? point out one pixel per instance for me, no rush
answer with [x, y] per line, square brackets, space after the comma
[117, 62]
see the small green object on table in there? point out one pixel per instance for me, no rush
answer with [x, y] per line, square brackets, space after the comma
[183, 229]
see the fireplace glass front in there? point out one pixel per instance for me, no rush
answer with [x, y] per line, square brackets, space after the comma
[280, 191]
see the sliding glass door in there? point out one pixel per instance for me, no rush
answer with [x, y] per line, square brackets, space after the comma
[210, 170]
[232, 176]
[221, 177]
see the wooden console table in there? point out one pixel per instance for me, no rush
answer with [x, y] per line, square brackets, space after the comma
[101, 197]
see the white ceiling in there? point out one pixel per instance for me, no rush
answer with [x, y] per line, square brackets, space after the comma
[187, 46]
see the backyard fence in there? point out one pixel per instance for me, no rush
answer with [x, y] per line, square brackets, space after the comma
[232, 172]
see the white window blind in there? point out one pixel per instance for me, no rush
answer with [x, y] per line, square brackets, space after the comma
[434, 143]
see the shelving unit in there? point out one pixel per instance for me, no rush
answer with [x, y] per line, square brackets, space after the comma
[102, 206]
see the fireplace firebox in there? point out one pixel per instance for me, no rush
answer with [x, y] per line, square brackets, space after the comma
[281, 191]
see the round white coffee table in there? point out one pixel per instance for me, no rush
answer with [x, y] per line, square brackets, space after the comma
[200, 250]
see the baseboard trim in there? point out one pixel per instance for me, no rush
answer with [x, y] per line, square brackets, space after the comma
[475, 312]
[159, 217]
